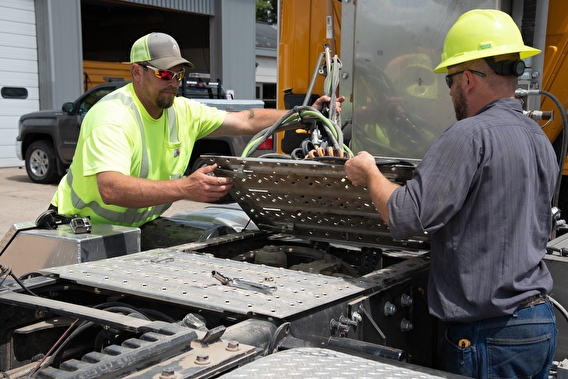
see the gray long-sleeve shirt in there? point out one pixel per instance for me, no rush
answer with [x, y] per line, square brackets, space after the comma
[483, 192]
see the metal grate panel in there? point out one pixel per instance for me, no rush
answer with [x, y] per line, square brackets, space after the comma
[186, 279]
[321, 363]
[312, 199]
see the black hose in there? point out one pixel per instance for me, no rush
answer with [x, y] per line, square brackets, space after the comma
[563, 147]
[7, 270]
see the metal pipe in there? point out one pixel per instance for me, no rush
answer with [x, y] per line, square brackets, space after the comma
[313, 81]
[255, 332]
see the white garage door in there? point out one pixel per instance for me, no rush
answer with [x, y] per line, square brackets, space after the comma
[19, 92]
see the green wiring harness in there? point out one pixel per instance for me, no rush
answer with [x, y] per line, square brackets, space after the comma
[317, 146]
[301, 115]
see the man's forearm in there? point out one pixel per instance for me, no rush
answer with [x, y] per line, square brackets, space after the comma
[129, 192]
[381, 190]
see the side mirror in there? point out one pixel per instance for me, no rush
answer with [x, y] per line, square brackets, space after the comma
[67, 107]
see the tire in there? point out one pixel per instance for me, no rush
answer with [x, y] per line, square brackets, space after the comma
[40, 162]
[195, 166]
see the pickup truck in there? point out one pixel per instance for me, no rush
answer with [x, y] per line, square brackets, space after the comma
[47, 140]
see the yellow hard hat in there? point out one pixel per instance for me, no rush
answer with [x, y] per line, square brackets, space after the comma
[482, 33]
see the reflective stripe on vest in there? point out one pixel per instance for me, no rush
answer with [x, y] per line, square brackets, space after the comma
[131, 215]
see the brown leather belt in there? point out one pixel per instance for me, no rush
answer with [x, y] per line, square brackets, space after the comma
[531, 301]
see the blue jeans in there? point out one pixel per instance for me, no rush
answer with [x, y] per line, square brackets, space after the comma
[518, 346]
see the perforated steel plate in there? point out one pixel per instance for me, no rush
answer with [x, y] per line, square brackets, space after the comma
[321, 363]
[311, 199]
[186, 278]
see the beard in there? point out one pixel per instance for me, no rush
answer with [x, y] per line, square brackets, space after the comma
[165, 98]
[460, 104]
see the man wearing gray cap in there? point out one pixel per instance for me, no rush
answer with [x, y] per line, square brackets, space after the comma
[136, 142]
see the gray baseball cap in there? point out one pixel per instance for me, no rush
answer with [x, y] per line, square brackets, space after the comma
[158, 49]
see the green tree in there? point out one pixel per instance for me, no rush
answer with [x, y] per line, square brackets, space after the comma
[266, 11]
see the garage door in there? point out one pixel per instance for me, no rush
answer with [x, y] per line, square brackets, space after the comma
[19, 93]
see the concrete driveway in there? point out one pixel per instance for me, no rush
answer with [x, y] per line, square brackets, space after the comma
[23, 200]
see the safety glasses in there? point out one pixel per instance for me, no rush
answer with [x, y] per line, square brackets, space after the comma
[165, 74]
[450, 81]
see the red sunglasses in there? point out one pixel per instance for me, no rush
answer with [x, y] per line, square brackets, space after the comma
[165, 74]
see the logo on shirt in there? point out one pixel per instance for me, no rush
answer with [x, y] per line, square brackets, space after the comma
[176, 153]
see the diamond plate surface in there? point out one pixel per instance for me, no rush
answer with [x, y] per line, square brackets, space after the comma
[186, 278]
[311, 199]
[321, 363]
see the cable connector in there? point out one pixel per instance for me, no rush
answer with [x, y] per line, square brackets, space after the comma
[5, 269]
[519, 92]
[539, 115]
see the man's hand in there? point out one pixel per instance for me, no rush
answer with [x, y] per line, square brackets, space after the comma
[205, 187]
[360, 168]
[322, 100]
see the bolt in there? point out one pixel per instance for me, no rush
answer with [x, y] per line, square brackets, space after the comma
[344, 75]
[406, 300]
[39, 314]
[406, 325]
[167, 373]
[202, 359]
[232, 346]
[347, 321]
[356, 316]
[389, 309]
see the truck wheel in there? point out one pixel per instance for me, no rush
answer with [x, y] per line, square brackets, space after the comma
[40, 163]
[196, 166]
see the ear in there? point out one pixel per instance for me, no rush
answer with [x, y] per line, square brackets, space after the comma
[136, 71]
[469, 81]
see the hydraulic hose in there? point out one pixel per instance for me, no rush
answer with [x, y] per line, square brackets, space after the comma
[290, 120]
[563, 149]
[558, 306]
[305, 114]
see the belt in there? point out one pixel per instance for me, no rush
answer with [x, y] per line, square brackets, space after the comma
[531, 301]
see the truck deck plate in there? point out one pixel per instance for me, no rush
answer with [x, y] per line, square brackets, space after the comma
[311, 199]
[186, 279]
[322, 363]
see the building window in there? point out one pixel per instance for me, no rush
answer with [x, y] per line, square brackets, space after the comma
[14, 93]
[267, 93]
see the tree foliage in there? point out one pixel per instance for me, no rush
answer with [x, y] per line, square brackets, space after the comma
[266, 11]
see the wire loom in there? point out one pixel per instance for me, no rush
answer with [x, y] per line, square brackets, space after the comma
[317, 145]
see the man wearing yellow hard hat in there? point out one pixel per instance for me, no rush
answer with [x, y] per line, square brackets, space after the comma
[483, 193]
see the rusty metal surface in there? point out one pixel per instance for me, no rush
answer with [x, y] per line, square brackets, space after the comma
[202, 361]
[311, 199]
[186, 279]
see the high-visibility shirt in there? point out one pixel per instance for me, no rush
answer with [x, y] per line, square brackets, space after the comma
[119, 135]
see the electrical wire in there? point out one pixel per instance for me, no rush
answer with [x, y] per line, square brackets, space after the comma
[7, 271]
[48, 354]
[563, 149]
[299, 114]
[560, 308]
[67, 338]
[307, 115]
